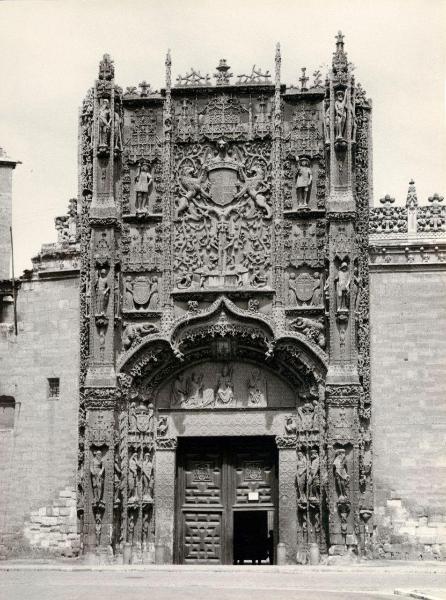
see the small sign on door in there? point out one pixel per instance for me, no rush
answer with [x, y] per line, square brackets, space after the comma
[253, 496]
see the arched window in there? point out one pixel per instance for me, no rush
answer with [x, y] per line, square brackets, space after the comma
[7, 410]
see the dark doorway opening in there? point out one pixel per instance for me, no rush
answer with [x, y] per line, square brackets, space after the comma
[252, 540]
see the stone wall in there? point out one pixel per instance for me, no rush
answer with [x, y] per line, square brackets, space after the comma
[408, 325]
[39, 455]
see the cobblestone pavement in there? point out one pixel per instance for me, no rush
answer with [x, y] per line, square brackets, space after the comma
[230, 583]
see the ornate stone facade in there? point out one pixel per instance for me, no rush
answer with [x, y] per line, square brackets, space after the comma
[223, 225]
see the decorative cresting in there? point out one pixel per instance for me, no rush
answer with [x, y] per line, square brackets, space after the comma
[223, 234]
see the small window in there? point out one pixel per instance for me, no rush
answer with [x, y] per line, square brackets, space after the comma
[7, 410]
[53, 388]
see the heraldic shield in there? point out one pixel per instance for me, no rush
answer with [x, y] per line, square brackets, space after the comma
[141, 290]
[223, 185]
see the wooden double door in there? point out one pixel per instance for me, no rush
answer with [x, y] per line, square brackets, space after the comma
[226, 500]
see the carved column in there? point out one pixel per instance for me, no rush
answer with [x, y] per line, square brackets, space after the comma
[99, 470]
[343, 287]
[287, 495]
[99, 305]
[165, 464]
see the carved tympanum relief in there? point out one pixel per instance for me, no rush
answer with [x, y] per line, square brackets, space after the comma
[225, 385]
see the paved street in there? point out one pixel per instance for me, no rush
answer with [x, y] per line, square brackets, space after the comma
[230, 583]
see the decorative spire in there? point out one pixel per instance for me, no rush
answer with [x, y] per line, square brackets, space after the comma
[222, 75]
[168, 65]
[340, 62]
[278, 61]
[106, 68]
[412, 200]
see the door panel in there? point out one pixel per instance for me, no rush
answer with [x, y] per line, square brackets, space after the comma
[202, 537]
[215, 477]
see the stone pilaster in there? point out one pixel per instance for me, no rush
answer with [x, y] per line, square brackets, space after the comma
[165, 464]
[286, 446]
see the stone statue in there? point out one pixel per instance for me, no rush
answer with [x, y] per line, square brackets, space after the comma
[117, 124]
[194, 386]
[145, 528]
[304, 180]
[97, 473]
[256, 386]
[225, 388]
[292, 289]
[342, 283]
[341, 475]
[154, 297]
[146, 478]
[143, 188]
[132, 416]
[317, 297]
[178, 395]
[191, 187]
[301, 476]
[134, 468]
[104, 122]
[102, 291]
[133, 333]
[313, 476]
[340, 114]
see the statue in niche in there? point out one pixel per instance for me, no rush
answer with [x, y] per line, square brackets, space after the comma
[154, 297]
[143, 188]
[105, 122]
[256, 386]
[97, 474]
[194, 387]
[340, 114]
[146, 478]
[145, 528]
[342, 107]
[102, 291]
[304, 179]
[292, 290]
[254, 187]
[225, 388]
[301, 476]
[317, 297]
[342, 285]
[117, 128]
[178, 395]
[313, 476]
[134, 468]
[341, 475]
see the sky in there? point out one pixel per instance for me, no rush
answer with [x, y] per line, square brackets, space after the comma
[50, 50]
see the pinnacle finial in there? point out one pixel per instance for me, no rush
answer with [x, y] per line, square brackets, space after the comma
[106, 68]
[168, 58]
[340, 40]
[412, 199]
